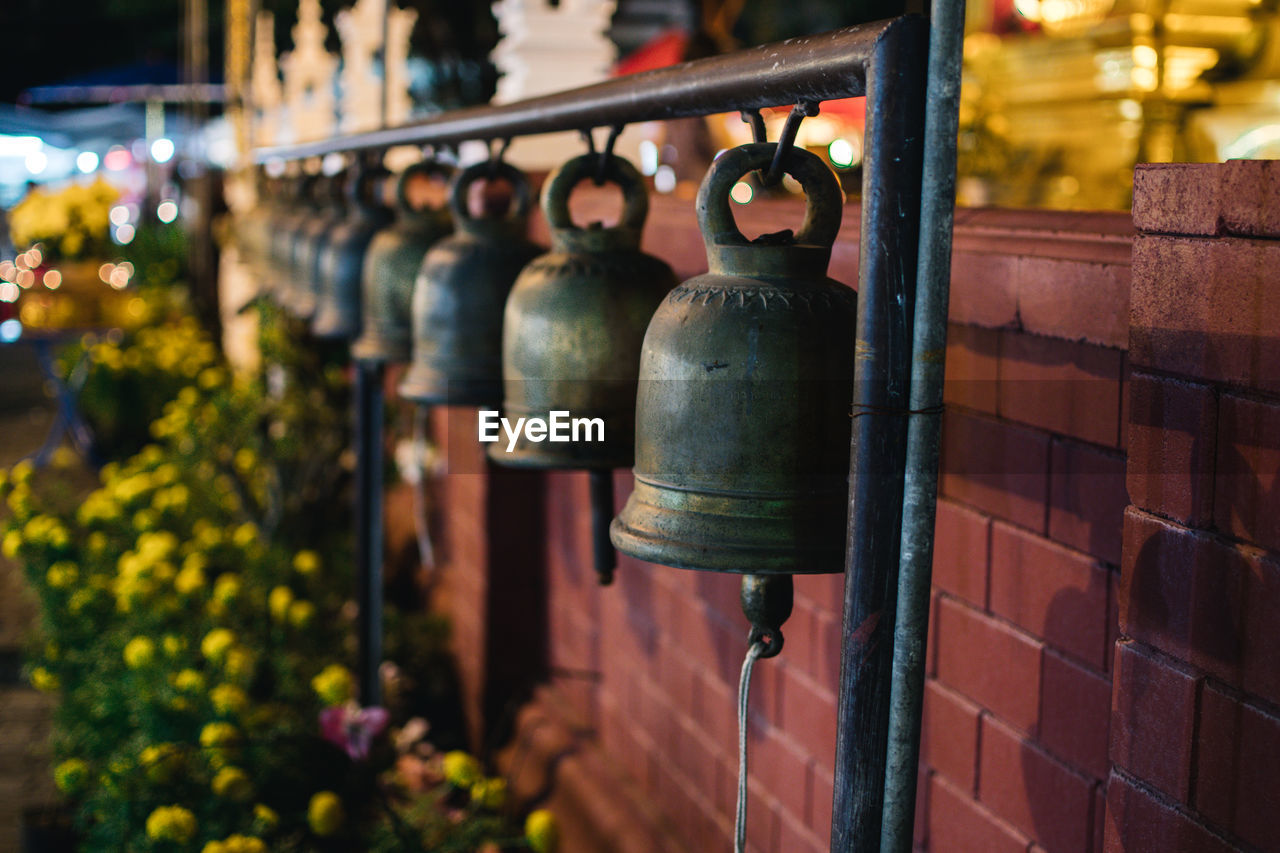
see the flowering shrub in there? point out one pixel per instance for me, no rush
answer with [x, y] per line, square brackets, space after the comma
[73, 222]
[196, 638]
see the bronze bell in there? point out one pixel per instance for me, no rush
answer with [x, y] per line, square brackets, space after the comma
[575, 321]
[338, 301]
[293, 216]
[329, 213]
[390, 265]
[746, 381]
[459, 296]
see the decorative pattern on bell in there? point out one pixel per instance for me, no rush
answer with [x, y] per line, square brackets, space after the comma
[328, 213]
[575, 322]
[746, 382]
[390, 266]
[341, 263]
[459, 296]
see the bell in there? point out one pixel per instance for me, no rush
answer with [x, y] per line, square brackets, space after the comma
[293, 216]
[328, 214]
[390, 265]
[341, 262]
[746, 381]
[574, 324]
[459, 296]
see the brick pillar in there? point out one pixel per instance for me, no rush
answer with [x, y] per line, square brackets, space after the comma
[493, 578]
[1195, 731]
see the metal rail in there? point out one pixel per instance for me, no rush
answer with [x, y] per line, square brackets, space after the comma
[812, 68]
[886, 62]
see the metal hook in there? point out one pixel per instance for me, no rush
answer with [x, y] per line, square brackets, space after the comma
[788, 139]
[496, 159]
[606, 153]
[753, 118]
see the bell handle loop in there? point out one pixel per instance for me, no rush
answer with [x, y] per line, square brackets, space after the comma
[489, 170]
[766, 602]
[617, 170]
[425, 168]
[824, 200]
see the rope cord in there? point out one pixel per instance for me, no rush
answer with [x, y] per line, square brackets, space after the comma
[754, 651]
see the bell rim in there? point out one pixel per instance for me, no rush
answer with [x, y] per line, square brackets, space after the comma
[753, 559]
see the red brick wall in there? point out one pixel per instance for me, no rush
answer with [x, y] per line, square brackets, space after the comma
[1021, 729]
[1195, 722]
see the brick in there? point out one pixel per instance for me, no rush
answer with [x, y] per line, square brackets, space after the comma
[827, 651]
[1251, 197]
[1138, 820]
[1207, 309]
[1172, 442]
[809, 715]
[1178, 198]
[960, 550]
[995, 665]
[983, 289]
[998, 467]
[1152, 715]
[958, 824]
[780, 764]
[1087, 497]
[1248, 470]
[822, 801]
[1032, 791]
[1237, 783]
[800, 636]
[949, 735]
[972, 368]
[1260, 655]
[1062, 386]
[795, 837]
[1075, 299]
[1075, 715]
[1054, 592]
[1182, 591]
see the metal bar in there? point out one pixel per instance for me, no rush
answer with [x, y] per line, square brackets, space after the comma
[812, 68]
[886, 295]
[600, 484]
[924, 429]
[369, 417]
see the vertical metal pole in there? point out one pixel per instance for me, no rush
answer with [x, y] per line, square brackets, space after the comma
[924, 429]
[369, 417]
[886, 296]
[605, 559]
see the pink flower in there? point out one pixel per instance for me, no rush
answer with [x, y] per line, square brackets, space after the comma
[353, 728]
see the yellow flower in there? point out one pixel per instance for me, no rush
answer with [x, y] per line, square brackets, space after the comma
[239, 664]
[334, 685]
[232, 783]
[162, 762]
[489, 793]
[306, 563]
[265, 817]
[171, 823]
[244, 461]
[236, 844]
[12, 544]
[278, 602]
[71, 775]
[226, 589]
[228, 699]
[213, 847]
[220, 741]
[461, 770]
[541, 831]
[62, 574]
[173, 644]
[21, 472]
[189, 580]
[80, 599]
[139, 652]
[325, 813]
[44, 680]
[245, 535]
[216, 644]
[63, 458]
[211, 377]
[301, 614]
[188, 681]
[145, 519]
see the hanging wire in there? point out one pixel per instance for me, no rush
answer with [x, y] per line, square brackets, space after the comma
[787, 140]
[755, 651]
[497, 153]
[606, 154]
[753, 118]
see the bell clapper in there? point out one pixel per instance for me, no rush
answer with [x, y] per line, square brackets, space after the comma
[606, 559]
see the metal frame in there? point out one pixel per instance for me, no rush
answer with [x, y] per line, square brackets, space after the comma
[900, 344]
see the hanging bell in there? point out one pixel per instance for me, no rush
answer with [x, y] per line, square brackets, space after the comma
[746, 381]
[459, 296]
[574, 324]
[337, 312]
[293, 216]
[390, 265]
[327, 213]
